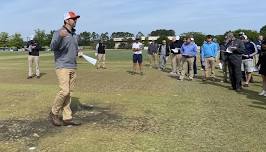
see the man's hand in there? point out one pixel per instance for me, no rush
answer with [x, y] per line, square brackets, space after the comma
[80, 54]
[63, 33]
[245, 56]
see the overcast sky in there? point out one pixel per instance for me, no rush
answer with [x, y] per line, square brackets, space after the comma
[208, 16]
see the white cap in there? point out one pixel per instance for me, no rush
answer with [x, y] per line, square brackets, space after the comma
[245, 37]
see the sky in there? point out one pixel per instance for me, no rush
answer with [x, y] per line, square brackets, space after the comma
[207, 16]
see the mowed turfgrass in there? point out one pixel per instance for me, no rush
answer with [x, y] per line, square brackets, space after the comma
[123, 112]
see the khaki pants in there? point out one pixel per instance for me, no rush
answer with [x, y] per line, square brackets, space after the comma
[210, 65]
[67, 80]
[153, 59]
[189, 62]
[101, 60]
[176, 61]
[35, 60]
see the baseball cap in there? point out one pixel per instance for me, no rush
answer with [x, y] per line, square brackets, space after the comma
[71, 14]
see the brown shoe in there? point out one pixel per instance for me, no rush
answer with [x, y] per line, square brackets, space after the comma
[55, 119]
[71, 122]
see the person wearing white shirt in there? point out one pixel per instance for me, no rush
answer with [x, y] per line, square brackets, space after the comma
[137, 56]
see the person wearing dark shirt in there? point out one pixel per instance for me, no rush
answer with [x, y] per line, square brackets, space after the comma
[100, 50]
[33, 48]
[175, 46]
[235, 49]
[262, 67]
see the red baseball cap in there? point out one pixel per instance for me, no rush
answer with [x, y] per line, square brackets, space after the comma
[71, 14]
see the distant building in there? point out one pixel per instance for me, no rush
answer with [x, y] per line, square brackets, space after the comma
[118, 41]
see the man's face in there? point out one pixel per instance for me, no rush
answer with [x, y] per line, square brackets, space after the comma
[173, 39]
[209, 39]
[188, 40]
[260, 37]
[72, 22]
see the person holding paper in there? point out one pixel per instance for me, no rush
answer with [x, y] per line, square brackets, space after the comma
[237, 48]
[176, 55]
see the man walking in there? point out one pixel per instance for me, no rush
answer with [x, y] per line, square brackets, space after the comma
[65, 47]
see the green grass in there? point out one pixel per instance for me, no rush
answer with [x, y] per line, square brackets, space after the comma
[137, 113]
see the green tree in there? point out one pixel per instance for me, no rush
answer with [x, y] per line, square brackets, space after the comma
[110, 44]
[3, 39]
[140, 34]
[251, 34]
[263, 31]
[162, 32]
[198, 37]
[104, 36]
[16, 41]
[85, 38]
[48, 38]
[95, 36]
[161, 38]
[121, 34]
[40, 37]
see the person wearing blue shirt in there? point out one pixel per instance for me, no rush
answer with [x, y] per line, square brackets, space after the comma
[188, 51]
[209, 52]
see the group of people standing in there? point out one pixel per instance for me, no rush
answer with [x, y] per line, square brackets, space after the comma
[234, 54]
[240, 56]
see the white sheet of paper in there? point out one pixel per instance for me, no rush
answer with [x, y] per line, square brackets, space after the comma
[89, 59]
[176, 50]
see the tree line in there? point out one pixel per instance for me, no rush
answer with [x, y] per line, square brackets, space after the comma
[91, 38]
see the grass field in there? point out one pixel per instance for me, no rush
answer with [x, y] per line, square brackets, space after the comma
[125, 113]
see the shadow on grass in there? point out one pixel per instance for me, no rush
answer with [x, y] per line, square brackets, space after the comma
[29, 132]
[42, 74]
[250, 94]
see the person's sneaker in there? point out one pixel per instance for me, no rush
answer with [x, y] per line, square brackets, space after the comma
[262, 93]
[238, 90]
[38, 77]
[173, 73]
[71, 122]
[55, 119]
[29, 77]
[246, 85]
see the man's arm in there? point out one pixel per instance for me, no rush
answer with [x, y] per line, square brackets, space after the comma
[255, 51]
[57, 39]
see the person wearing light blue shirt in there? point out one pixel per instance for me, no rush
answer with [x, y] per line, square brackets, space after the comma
[188, 51]
[209, 52]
